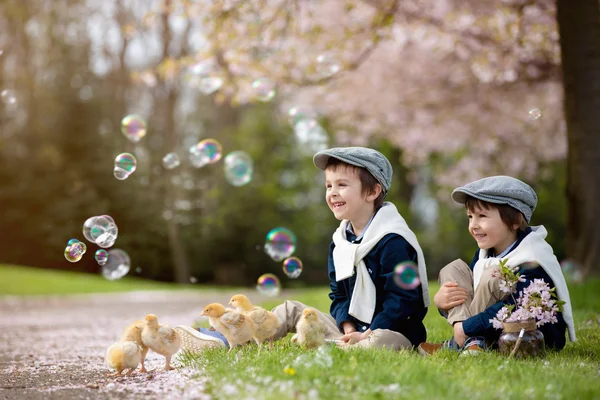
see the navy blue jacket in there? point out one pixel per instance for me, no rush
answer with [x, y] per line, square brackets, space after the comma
[479, 325]
[396, 309]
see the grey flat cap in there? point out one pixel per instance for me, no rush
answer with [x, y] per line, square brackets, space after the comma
[500, 190]
[372, 160]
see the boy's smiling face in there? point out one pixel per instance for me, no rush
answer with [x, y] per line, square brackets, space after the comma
[344, 195]
[488, 229]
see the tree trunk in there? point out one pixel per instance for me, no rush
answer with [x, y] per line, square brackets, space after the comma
[579, 28]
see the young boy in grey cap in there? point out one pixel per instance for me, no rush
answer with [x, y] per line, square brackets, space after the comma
[499, 209]
[368, 309]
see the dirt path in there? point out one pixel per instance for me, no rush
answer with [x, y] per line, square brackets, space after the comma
[53, 347]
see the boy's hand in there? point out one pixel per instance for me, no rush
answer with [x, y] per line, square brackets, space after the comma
[348, 327]
[354, 337]
[450, 295]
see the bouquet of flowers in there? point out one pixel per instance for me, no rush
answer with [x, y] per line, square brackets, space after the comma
[537, 301]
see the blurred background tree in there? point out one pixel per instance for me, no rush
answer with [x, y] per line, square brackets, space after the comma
[449, 91]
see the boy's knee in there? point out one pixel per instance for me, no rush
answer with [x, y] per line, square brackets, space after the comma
[450, 270]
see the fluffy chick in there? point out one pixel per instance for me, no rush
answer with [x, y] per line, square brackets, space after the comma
[310, 329]
[123, 355]
[265, 321]
[161, 339]
[236, 327]
[133, 333]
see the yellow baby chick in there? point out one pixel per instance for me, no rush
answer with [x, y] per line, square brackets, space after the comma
[133, 333]
[310, 330]
[266, 322]
[236, 327]
[123, 355]
[161, 339]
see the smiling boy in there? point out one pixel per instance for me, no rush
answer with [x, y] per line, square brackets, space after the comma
[499, 209]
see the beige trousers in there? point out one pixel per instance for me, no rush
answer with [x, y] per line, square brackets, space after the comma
[290, 312]
[488, 291]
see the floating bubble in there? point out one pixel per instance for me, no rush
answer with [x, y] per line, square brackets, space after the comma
[8, 96]
[74, 252]
[117, 265]
[572, 270]
[101, 256]
[205, 77]
[264, 89]
[300, 113]
[138, 270]
[311, 136]
[280, 243]
[406, 275]
[133, 127]
[208, 151]
[269, 285]
[87, 228]
[535, 113]
[292, 267]
[238, 168]
[72, 241]
[327, 65]
[193, 279]
[101, 230]
[126, 162]
[120, 173]
[170, 161]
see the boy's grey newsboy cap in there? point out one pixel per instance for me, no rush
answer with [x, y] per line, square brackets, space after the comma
[500, 190]
[372, 160]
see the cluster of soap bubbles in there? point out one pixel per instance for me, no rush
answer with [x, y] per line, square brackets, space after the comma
[207, 151]
[280, 244]
[75, 250]
[125, 165]
[406, 275]
[117, 265]
[101, 230]
[238, 165]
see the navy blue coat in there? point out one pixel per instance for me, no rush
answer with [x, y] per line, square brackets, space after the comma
[396, 309]
[479, 325]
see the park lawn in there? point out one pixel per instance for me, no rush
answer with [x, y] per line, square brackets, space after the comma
[287, 372]
[21, 280]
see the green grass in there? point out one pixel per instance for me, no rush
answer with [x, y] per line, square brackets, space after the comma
[19, 280]
[287, 372]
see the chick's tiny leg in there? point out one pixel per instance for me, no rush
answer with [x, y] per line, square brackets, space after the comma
[130, 371]
[115, 374]
[144, 352]
[168, 366]
[271, 342]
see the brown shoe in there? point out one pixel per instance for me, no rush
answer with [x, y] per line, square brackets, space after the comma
[428, 349]
[472, 350]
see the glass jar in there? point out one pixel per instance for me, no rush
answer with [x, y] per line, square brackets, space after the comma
[521, 339]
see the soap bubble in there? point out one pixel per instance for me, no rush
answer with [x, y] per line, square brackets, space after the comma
[205, 77]
[327, 65]
[72, 241]
[280, 243]
[101, 256]
[138, 270]
[170, 161]
[264, 89]
[127, 162]
[208, 151]
[310, 136]
[117, 265]
[75, 251]
[269, 285]
[406, 275]
[133, 127]
[572, 270]
[101, 230]
[193, 279]
[292, 267]
[300, 113]
[535, 113]
[238, 168]
[8, 96]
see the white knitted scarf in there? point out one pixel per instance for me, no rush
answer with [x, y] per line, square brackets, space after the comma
[533, 249]
[347, 256]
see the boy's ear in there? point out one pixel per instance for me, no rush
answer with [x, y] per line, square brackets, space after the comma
[375, 192]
